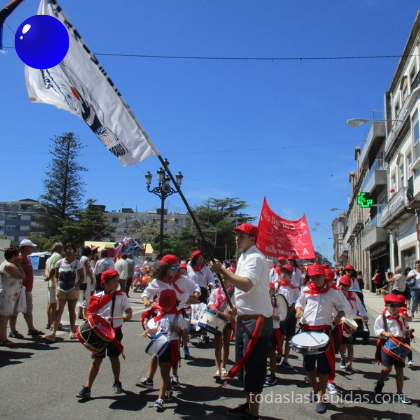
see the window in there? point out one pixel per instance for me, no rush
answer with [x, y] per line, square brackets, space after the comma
[25, 217]
[401, 169]
[415, 127]
[11, 227]
[409, 161]
[405, 93]
[12, 217]
[412, 76]
[24, 228]
[115, 220]
[397, 109]
[394, 181]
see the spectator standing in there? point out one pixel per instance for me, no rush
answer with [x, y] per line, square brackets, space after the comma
[26, 247]
[12, 275]
[56, 254]
[122, 267]
[398, 281]
[415, 290]
[105, 263]
[130, 274]
[87, 287]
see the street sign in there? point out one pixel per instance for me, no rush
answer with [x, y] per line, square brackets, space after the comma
[364, 200]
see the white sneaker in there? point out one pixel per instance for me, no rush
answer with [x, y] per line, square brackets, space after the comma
[410, 364]
[331, 389]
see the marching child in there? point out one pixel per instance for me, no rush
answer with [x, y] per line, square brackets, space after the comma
[171, 323]
[288, 326]
[275, 341]
[390, 324]
[355, 308]
[218, 304]
[109, 303]
[316, 303]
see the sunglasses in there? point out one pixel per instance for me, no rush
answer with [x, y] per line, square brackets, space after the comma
[393, 305]
[174, 267]
[69, 250]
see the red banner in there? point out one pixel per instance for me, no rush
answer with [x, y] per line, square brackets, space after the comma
[279, 237]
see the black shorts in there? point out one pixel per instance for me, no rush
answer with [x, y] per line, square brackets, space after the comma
[348, 340]
[272, 345]
[320, 360]
[110, 349]
[387, 360]
[288, 326]
[166, 356]
[255, 369]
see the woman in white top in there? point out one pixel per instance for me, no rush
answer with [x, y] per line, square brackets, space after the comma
[11, 278]
[415, 290]
[68, 277]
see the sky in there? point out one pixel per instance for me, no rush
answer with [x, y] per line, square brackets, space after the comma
[240, 128]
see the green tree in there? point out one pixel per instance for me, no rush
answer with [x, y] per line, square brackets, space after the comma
[217, 218]
[87, 225]
[63, 184]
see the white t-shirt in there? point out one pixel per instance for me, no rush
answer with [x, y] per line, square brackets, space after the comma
[122, 267]
[68, 274]
[224, 305]
[417, 276]
[121, 305]
[165, 323]
[291, 295]
[253, 266]
[393, 326]
[202, 277]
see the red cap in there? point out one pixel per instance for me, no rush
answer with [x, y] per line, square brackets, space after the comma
[281, 259]
[108, 275]
[345, 280]
[391, 298]
[329, 274]
[182, 265]
[316, 270]
[197, 252]
[287, 267]
[292, 257]
[232, 260]
[401, 299]
[348, 267]
[247, 228]
[167, 298]
[326, 266]
[169, 259]
[272, 285]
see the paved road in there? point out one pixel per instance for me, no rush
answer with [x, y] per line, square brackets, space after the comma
[39, 381]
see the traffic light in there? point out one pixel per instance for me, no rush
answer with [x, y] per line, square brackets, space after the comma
[364, 200]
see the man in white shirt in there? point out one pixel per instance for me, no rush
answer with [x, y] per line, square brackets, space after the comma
[254, 323]
[122, 267]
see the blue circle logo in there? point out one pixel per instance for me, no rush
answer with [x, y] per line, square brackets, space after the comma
[41, 41]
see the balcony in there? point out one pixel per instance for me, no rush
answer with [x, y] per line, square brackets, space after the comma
[373, 141]
[416, 155]
[396, 210]
[376, 177]
[354, 225]
[373, 233]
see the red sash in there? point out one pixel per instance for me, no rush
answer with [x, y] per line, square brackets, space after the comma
[162, 313]
[351, 297]
[395, 318]
[330, 353]
[238, 366]
[277, 334]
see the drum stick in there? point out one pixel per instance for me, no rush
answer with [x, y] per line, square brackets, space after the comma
[115, 317]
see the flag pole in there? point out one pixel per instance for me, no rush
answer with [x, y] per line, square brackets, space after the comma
[195, 221]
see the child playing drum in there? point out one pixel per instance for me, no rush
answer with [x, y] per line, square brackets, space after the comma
[171, 323]
[389, 325]
[112, 304]
[288, 326]
[355, 308]
[218, 304]
[316, 304]
[276, 337]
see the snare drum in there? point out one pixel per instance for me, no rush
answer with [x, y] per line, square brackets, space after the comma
[310, 343]
[213, 322]
[349, 326]
[95, 333]
[396, 349]
[157, 345]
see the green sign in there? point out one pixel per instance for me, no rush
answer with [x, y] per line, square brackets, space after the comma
[364, 200]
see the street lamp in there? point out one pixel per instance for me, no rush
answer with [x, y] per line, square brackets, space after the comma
[357, 122]
[163, 190]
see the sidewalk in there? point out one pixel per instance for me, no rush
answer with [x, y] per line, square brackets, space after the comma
[375, 305]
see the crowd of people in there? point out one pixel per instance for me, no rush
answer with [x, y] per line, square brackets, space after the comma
[266, 311]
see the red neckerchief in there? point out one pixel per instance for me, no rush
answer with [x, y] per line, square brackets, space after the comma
[162, 313]
[233, 270]
[198, 269]
[277, 270]
[313, 290]
[395, 318]
[173, 282]
[351, 297]
[285, 283]
[97, 302]
[221, 298]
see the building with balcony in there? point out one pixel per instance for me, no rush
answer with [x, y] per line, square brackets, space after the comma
[402, 154]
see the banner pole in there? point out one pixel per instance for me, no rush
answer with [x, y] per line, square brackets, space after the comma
[195, 221]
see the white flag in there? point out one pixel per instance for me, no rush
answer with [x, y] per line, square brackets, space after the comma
[79, 84]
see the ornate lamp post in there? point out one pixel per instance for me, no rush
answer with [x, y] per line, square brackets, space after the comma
[163, 190]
